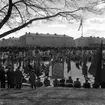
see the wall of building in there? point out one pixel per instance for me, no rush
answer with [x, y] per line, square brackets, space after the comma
[22, 40]
[89, 41]
[46, 40]
[9, 42]
[82, 41]
[51, 40]
[94, 40]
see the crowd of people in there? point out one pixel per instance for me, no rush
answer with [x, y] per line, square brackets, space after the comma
[18, 64]
[76, 84]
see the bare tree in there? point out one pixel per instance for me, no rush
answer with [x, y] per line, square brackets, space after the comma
[18, 14]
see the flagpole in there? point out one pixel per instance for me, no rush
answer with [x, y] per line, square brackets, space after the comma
[82, 36]
[82, 28]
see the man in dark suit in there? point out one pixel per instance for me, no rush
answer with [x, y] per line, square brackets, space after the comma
[18, 78]
[2, 76]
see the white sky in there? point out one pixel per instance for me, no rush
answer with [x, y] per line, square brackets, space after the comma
[93, 26]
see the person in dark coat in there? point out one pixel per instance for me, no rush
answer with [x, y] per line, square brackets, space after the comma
[12, 78]
[103, 76]
[62, 82]
[55, 83]
[8, 77]
[18, 78]
[86, 84]
[39, 83]
[46, 82]
[77, 83]
[32, 79]
[2, 76]
[95, 85]
[69, 82]
[47, 70]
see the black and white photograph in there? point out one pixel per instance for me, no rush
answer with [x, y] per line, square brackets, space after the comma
[52, 52]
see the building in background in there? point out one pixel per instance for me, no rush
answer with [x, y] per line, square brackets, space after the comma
[89, 41]
[46, 40]
[82, 41]
[10, 42]
[51, 40]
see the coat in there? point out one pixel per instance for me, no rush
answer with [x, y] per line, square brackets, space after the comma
[18, 77]
[32, 78]
[2, 74]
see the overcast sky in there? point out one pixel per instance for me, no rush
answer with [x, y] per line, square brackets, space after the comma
[93, 25]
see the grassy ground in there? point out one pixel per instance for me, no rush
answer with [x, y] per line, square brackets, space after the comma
[52, 96]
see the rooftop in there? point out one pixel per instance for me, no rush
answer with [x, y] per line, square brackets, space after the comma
[50, 35]
[82, 37]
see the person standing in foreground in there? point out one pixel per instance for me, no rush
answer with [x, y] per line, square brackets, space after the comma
[2, 76]
[18, 78]
[8, 77]
[32, 79]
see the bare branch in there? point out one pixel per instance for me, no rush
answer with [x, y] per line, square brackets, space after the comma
[19, 13]
[29, 11]
[35, 19]
[8, 14]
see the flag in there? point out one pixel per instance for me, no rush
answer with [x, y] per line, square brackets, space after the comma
[96, 66]
[81, 23]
